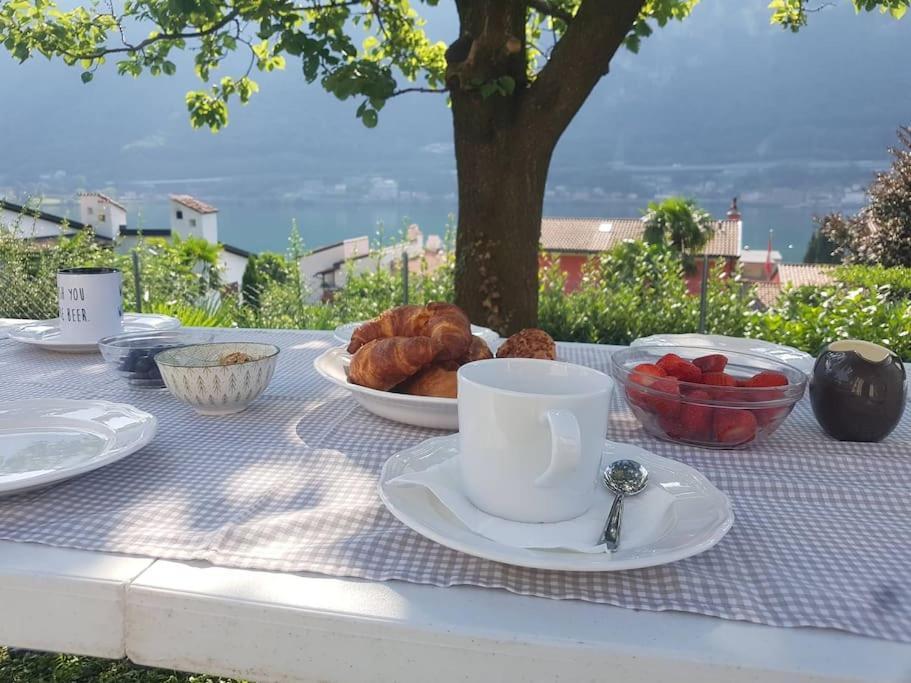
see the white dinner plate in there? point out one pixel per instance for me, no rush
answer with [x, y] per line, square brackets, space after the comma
[343, 334]
[694, 515]
[716, 342]
[421, 411]
[46, 333]
[44, 441]
[6, 324]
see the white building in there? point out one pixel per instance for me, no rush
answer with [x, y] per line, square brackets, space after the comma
[106, 216]
[326, 269]
[190, 216]
[33, 224]
[232, 262]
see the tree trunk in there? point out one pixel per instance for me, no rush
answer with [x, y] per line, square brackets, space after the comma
[504, 141]
[501, 179]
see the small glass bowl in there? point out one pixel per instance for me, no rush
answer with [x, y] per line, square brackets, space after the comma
[760, 410]
[133, 354]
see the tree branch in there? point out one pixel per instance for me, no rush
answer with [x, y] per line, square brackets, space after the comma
[546, 8]
[578, 61]
[417, 89]
[214, 28]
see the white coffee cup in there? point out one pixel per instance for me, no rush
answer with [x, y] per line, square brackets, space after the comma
[531, 434]
[91, 304]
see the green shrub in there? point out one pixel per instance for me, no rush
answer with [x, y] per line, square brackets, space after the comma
[808, 318]
[633, 291]
[897, 279]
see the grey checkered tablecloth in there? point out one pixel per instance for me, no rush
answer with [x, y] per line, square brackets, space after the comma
[822, 535]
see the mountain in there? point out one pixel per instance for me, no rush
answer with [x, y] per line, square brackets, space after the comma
[721, 103]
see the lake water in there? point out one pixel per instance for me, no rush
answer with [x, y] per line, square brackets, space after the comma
[266, 226]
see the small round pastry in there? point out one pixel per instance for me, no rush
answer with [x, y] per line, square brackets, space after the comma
[529, 343]
[477, 351]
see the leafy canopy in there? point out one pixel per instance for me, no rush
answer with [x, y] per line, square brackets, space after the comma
[371, 50]
[678, 223]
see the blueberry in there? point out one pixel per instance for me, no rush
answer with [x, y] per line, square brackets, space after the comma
[144, 365]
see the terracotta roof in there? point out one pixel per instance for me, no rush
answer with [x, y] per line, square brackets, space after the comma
[103, 197]
[799, 274]
[592, 235]
[767, 292]
[193, 203]
[793, 275]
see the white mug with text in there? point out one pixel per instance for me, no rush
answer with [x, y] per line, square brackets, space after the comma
[91, 304]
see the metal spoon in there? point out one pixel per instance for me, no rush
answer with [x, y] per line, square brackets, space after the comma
[622, 478]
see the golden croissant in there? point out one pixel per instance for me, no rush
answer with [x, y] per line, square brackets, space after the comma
[449, 327]
[439, 379]
[446, 324]
[383, 363]
[403, 321]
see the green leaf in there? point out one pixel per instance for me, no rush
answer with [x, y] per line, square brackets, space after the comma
[370, 118]
[87, 76]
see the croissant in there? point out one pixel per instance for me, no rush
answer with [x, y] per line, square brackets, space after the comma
[438, 380]
[450, 328]
[383, 363]
[403, 321]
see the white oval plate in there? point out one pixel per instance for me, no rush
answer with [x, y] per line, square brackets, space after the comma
[697, 516]
[716, 342]
[46, 333]
[45, 441]
[343, 334]
[421, 411]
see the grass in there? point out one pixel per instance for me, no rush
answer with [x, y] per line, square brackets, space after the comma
[23, 666]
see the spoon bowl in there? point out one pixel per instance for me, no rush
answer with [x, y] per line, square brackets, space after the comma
[623, 478]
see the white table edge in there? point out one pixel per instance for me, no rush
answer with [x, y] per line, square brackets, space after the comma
[65, 600]
[278, 626]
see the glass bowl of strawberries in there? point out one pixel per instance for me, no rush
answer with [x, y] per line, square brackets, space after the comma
[713, 400]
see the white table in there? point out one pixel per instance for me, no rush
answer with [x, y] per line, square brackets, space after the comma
[293, 627]
[285, 627]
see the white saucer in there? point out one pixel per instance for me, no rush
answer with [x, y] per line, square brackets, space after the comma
[46, 333]
[44, 441]
[716, 342]
[421, 411]
[343, 334]
[694, 516]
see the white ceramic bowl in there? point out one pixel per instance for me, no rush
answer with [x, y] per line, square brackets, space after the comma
[194, 374]
[420, 411]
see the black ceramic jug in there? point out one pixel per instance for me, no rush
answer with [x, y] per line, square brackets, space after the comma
[858, 390]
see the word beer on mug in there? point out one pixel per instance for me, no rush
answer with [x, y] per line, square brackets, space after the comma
[90, 303]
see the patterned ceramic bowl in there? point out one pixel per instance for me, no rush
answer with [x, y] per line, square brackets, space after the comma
[214, 378]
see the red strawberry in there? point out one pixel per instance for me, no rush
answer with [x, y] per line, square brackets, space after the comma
[714, 362]
[767, 378]
[733, 427]
[719, 379]
[653, 377]
[764, 382]
[675, 366]
[667, 402]
[696, 420]
[643, 374]
[726, 386]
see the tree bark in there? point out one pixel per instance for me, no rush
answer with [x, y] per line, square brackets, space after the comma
[504, 143]
[501, 178]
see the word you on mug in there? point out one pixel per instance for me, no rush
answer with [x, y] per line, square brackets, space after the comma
[72, 301]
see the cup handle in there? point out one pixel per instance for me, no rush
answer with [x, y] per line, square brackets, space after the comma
[565, 449]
